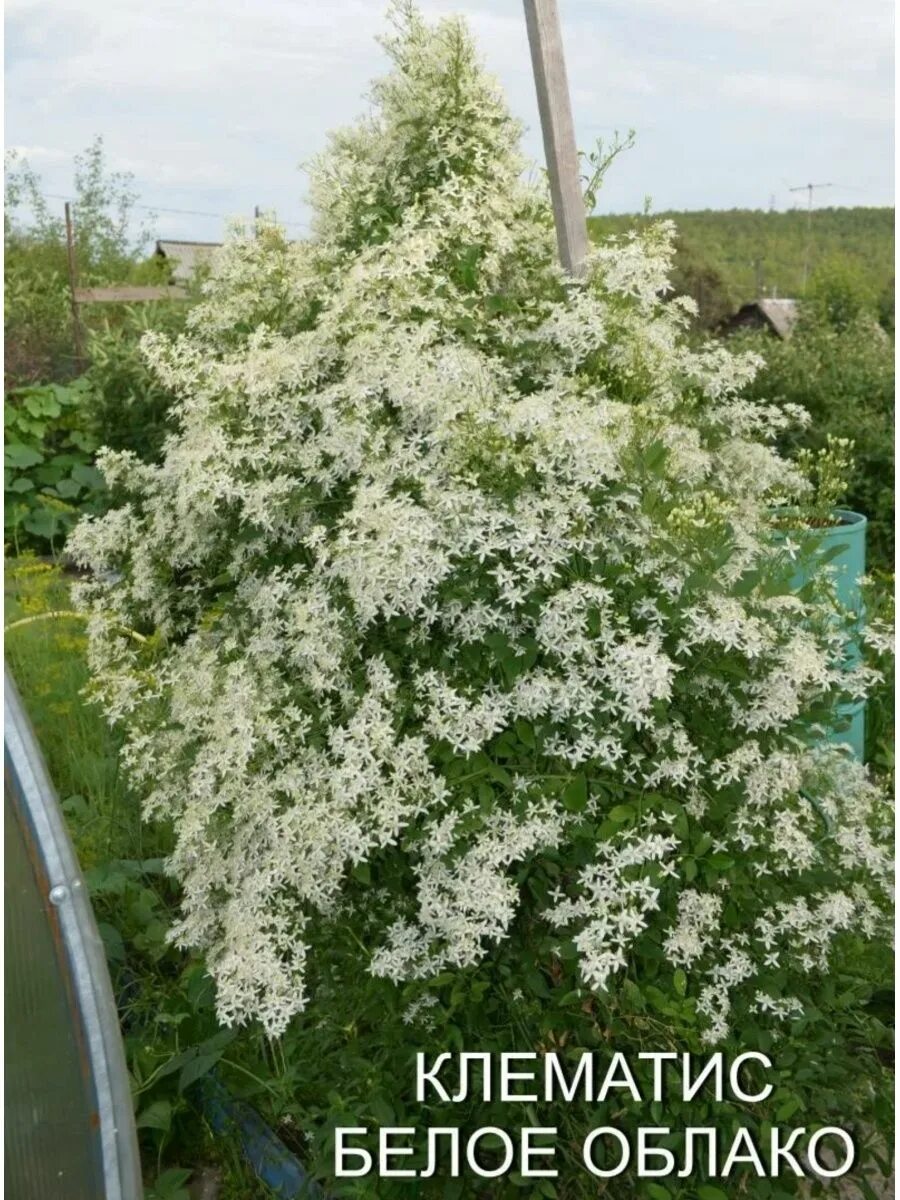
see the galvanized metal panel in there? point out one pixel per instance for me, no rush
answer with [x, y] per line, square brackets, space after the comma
[69, 1122]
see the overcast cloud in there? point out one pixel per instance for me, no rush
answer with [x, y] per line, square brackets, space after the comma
[213, 104]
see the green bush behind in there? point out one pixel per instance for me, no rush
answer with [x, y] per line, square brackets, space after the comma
[839, 366]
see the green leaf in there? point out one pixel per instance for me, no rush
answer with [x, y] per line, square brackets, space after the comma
[113, 944]
[87, 475]
[621, 813]
[170, 1184]
[788, 1108]
[362, 872]
[197, 1068]
[17, 454]
[43, 523]
[176, 1062]
[656, 1191]
[83, 441]
[68, 488]
[707, 1192]
[76, 807]
[824, 557]
[536, 982]
[157, 1116]
[218, 1041]
[680, 982]
[173, 1177]
[22, 484]
[569, 998]
[200, 989]
[50, 473]
[525, 733]
[40, 404]
[574, 795]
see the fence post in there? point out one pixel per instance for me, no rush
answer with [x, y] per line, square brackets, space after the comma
[73, 283]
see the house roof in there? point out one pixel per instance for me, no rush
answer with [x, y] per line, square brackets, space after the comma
[187, 256]
[779, 315]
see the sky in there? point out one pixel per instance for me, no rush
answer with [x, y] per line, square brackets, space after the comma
[213, 105]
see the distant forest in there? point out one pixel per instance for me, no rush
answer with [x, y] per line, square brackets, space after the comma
[726, 258]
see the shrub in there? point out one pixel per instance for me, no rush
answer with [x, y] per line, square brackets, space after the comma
[844, 378]
[839, 293]
[126, 405]
[39, 339]
[467, 655]
[692, 275]
[49, 476]
[53, 430]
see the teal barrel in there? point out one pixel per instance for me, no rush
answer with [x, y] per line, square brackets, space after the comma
[848, 542]
[844, 546]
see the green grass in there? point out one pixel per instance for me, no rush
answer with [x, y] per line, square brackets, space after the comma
[47, 659]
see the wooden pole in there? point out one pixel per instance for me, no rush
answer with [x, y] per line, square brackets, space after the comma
[549, 66]
[73, 283]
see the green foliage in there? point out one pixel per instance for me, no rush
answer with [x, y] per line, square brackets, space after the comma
[694, 276]
[844, 377]
[756, 252]
[828, 471]
[840, 292]
[879, 600]
[37, 317]
[49, 477]
[53, 430]
[885, 306]
[126, 406]
[352, 1061]
[599, 160]
[170, 1185]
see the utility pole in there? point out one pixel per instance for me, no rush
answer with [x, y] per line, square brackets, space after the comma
[758, 275]
[554, 105]
[256, 220]
[73, 283]
[809, 188]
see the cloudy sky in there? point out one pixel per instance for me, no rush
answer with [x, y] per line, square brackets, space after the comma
[214, 104]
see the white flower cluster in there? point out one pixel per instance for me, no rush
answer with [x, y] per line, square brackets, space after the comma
[448, 559]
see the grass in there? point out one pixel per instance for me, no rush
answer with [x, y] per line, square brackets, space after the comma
[47, 659]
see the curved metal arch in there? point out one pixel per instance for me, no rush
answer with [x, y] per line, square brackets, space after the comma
[49, 917]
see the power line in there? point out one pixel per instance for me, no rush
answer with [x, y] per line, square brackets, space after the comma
[184, 212]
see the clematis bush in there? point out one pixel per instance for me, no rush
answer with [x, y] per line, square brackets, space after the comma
[454, 615]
